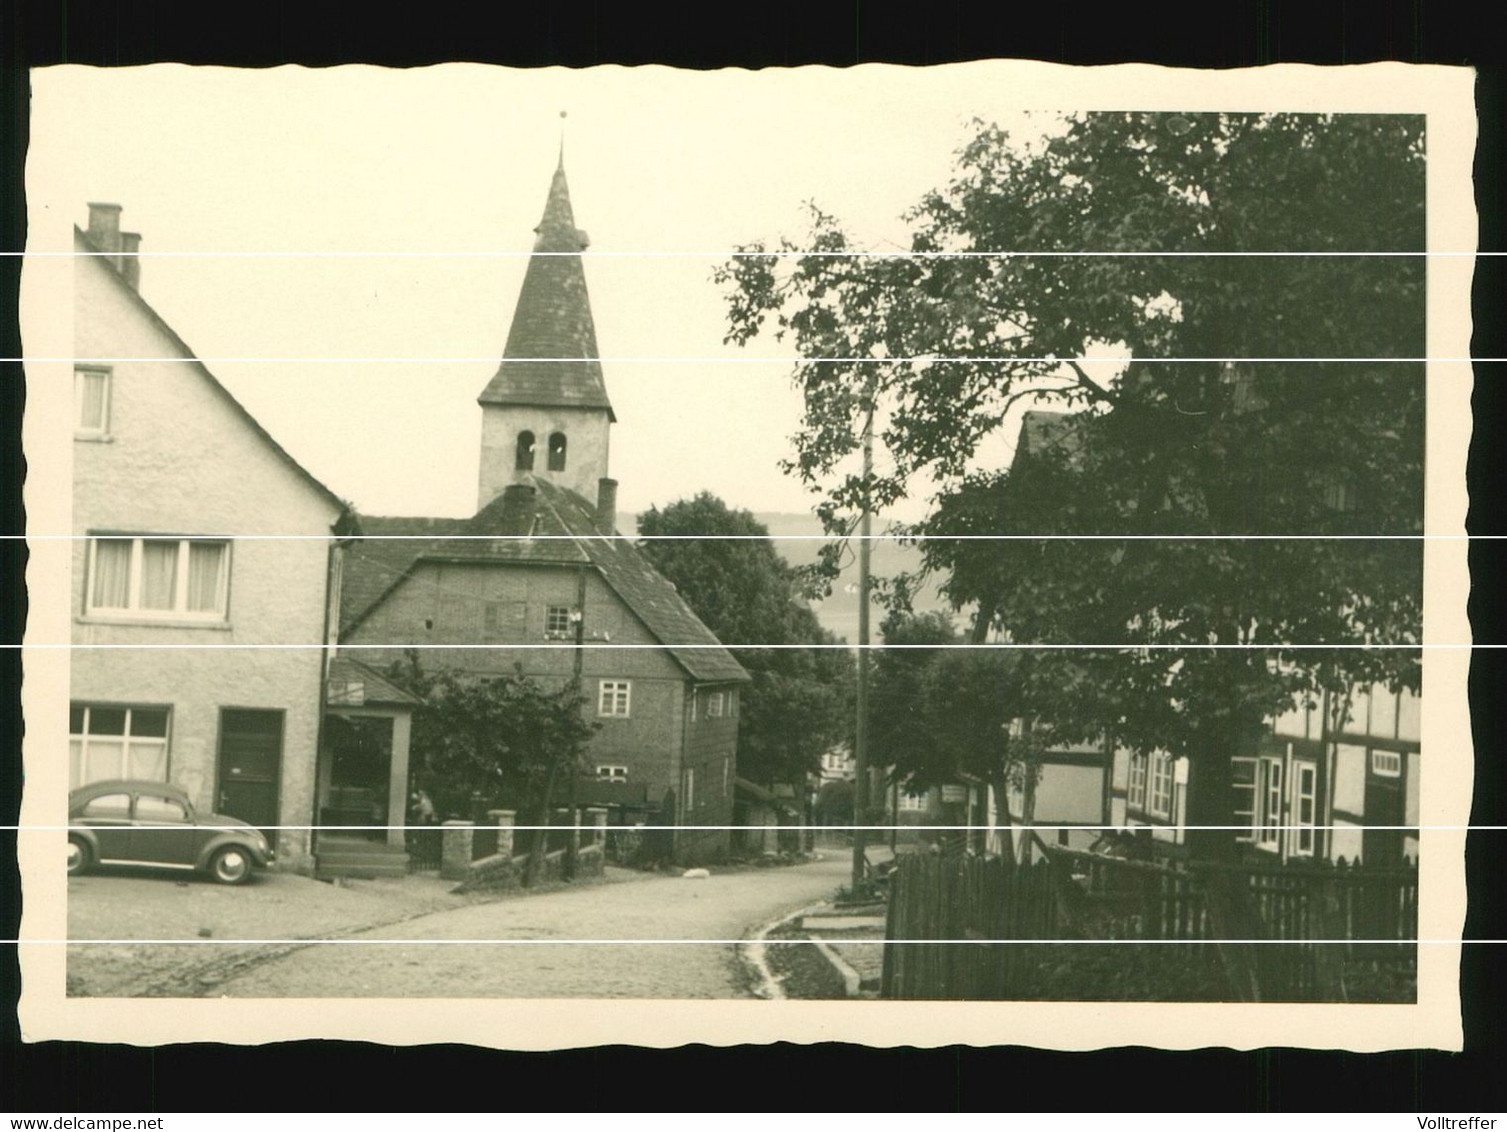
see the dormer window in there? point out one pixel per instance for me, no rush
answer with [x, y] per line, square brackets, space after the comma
[557, 452]
[525, 460]
[91, 402]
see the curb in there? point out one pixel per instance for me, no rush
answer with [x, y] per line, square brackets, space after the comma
[766, 983]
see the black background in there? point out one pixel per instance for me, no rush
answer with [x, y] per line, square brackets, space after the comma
[74, 1077]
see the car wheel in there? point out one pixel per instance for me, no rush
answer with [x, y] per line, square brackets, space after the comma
[231, 865]
[79, 856]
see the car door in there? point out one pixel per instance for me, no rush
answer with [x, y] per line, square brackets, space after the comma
[109, 816]
[163, 831]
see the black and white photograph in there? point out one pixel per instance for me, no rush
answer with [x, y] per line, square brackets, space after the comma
[786, 549]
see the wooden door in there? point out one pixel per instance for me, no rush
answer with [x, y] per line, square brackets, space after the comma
[251, 757]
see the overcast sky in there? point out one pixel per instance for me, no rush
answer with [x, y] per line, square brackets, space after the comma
[458, 160]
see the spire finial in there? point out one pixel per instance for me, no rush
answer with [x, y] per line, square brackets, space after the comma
[561, 163]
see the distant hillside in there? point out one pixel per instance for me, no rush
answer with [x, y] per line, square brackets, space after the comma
[838, 613]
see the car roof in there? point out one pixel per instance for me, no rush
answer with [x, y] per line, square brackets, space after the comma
[126, 786]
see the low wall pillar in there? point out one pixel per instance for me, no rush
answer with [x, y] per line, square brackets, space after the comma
[455, 849]
[505, 820]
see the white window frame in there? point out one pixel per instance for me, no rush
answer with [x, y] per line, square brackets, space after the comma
[1386, 764]
[80, 430]
[180, 612]
[1305, 808]
[126, 740]
[694, 697]
[912, 803]
[1135, 787]
[1159, 780]
[716, 703]
[688, 788]
[614, 772]
[1247, 833]
[615, 698]
[1269, 796]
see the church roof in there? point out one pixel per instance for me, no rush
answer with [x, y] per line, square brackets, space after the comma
[378, 566]
[552, 320]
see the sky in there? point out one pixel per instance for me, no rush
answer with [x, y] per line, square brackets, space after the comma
[455, 161]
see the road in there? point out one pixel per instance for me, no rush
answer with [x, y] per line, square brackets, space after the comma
[721, 907]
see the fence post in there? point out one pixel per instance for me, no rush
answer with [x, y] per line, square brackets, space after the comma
[455, 851]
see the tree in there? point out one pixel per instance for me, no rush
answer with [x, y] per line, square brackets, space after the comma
[490, 741]
[797, 704]
[1212, 445]
[941, 713]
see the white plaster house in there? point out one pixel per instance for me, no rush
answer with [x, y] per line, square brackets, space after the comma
[170, 475]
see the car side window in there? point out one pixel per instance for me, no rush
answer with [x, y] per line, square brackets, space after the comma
[108, 806]
[150, 807]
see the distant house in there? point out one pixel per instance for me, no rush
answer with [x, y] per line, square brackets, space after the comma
[1318, 785]
[541, 559]
[1339, 781]
[171, 475]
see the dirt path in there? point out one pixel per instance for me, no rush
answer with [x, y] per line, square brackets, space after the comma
[722, 907]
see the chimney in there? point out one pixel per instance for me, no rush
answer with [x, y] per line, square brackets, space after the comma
[104, 230]
[607, 504]
[517, 509]
[130, 264]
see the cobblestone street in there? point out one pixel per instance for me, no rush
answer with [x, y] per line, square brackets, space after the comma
[721, 907]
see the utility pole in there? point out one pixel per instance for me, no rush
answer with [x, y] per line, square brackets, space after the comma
[541, 846]
[861, 730]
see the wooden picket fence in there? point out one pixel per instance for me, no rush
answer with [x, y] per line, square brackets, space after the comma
[1207, 911]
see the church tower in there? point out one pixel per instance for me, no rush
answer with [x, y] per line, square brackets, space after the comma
[549, 419]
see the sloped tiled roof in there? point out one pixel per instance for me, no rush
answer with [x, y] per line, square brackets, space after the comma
[376, 688]
[376, 566]
[1042, 432]
[552, 320]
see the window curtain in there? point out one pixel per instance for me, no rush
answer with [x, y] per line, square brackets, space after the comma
[112, 573]
[204, 561]
[91, 414]
[159, 575]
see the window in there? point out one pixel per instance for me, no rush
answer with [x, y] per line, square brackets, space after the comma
[557, 451]
[113, 806]
[1135, 795]
[152, 807]
[694, 696]
[912, 802]
[726, 767]
[612, 773]
[613, 697]
[1269, 834]
[178, 579]
[1305, 806]
[91, 402]
[491, 615]
[557, 621]
[106, 741]
[1160, 801]
[1386, 764]
[1243, 798]
[688, 787]
[715, 703]
[524, 461]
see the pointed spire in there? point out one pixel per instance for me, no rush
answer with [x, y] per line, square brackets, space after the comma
[552, 319]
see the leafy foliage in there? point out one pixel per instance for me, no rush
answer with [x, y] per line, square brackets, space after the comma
[1239, 438]
[490, 741]
[797, 704]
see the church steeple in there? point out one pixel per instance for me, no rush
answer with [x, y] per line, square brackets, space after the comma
[552, 319]
[548, 417]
